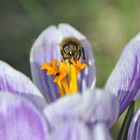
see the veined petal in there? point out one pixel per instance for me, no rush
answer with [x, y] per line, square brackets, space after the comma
[91, 107]
[19, 119]
[137, 95]
[87, 77]
[65, 108]
[12, 80]
[100, 106]
[68, 31]
[71, 131]
[124, 81]
[134, 129]
[45, 49]
[101, 132]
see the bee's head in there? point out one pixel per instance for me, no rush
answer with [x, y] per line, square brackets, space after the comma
[70, 48]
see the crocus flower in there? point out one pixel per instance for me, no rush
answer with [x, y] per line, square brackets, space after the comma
[76, 116]
[46, 48]
[68, 111]
[86, 114]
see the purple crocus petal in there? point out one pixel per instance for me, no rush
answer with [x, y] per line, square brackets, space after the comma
[98, 105]
[20, 120]
[45, 49]
[12, 80]
[68, 31]
[100, 132]
[124, 81]
[137, 95]
[134, 129]
[65, 108]
[87, 77]
[71, 131]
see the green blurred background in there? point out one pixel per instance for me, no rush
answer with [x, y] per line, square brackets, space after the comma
[108, 25]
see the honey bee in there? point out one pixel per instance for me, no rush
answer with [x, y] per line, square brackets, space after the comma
[71, 48]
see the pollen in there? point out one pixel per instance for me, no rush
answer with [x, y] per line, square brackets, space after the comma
[65, 74]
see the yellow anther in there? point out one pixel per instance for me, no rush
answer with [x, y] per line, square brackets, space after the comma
[61, 90]
[66, 86]
[62, 72]
[73, 79]
[65, 75]
[78, 66]
[50, 67]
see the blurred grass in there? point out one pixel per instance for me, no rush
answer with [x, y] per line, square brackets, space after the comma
[36, 10]
[108, 25]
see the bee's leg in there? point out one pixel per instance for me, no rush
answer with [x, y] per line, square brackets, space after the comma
[75, 60]
[62, 54]
[70, 61]
[84, 58]
[67, 59]
[78, 55]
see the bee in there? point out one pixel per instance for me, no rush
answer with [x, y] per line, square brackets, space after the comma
[71, 48]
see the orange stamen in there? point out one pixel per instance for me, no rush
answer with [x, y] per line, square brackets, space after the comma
[78, 66]
[73, 79]
[65, 75]
[50, 67]
[61, 90]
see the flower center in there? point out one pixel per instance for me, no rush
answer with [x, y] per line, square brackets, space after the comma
[65, 74]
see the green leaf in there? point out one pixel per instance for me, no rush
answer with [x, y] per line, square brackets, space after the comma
[126, 123]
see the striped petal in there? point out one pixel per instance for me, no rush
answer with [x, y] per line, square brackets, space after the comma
[12, 80]
[101, 132]
[124, 81]
[134, 129]
[137, 95]
[20, 120]
[99, 105]
[65, 108]
[68, 30]
[71, 131]
[46, 48]
[91, 107]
